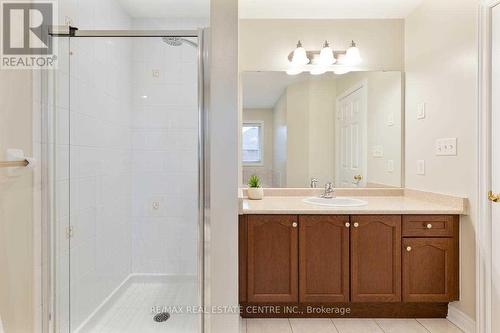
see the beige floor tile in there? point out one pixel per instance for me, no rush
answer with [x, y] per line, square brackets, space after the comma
[401, 326]
[437, 325]
[312, 326]
[243, 325]
[268, 326]
[356, 326]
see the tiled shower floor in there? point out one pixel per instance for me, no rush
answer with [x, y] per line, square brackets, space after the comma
[132, 311]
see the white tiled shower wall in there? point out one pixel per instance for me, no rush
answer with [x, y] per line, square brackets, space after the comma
[132, 144]
[164, 139]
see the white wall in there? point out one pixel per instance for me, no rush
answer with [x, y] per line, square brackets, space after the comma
[384, 99]
[165, 158]
[265, 172]
[280, 133]
[17, 222]
[222, 243]
[265, 44]
[304, 133]
[441, 70]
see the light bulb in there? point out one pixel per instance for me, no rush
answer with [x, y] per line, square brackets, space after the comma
[318, 70]
[300, 55]
[352, 56]
[294, 71]
[326, 57]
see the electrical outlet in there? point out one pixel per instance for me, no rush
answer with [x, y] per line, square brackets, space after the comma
[421, 167]
[446, 147]
[390, 166]
[421, 111]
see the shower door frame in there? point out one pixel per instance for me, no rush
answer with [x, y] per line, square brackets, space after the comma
[49, 297]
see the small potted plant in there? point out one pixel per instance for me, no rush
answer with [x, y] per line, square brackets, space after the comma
[255, 191]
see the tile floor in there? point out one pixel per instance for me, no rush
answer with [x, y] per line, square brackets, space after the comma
[132, 312]
[348, 326]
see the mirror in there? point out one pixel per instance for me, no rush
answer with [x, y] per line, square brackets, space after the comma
[304, 130]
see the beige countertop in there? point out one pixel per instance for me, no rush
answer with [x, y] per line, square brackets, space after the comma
[403, 202]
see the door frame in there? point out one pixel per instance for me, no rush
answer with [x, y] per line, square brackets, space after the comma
[363, 84]
[484, 223]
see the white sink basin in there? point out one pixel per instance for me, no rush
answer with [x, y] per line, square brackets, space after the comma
[335, 202]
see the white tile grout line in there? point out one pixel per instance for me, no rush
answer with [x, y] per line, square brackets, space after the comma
[290, 324]
[376, 323]
[335, 326]
[428, 330]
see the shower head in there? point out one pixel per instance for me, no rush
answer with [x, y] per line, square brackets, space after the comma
[178, 41]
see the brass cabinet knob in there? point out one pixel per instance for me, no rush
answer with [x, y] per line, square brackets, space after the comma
[428, 226]
[356, 224]
[358, 177]
[294, 224]
[347, 224]
[408, 248]
[493, 197]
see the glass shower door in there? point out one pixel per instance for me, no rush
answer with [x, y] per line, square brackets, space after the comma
[134, 228]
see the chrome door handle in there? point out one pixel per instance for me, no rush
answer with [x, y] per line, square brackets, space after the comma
[493, 197]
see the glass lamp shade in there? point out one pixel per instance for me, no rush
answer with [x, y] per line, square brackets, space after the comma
[294, 71]
[352, 56]
[300, 56]
[326, 57]
[318, 70]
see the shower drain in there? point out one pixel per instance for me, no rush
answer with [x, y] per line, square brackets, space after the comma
[161, 317]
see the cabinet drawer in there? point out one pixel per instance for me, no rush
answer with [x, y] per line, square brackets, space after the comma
[429, 225]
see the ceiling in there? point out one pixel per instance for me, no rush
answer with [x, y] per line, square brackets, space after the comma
[326, 9]
[166, 8]
[261, 90]
[281, 9]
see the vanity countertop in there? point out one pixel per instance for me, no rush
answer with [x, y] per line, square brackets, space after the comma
[407, 202]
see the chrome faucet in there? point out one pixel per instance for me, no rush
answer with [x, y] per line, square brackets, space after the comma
[329, 191]
[314, 182]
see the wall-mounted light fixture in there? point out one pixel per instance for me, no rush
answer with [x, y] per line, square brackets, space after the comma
[325, 60]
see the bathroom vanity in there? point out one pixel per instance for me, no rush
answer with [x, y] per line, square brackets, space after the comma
[397, 256]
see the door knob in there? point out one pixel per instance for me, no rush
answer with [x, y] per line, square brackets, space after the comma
[356, 224]
[493, 197]
[358, 178]
[408, 248]
[429, 226]
[347, 224]
[294, 224]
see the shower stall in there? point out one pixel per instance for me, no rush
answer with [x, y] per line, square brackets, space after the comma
[126, 127]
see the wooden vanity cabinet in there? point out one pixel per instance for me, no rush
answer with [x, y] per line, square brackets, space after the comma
[272, 254]
[430, 258]
[323, 258]
[377, 265]
[376, 258]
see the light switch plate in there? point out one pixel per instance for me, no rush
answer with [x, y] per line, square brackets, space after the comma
[390, 119]
[421, 111]
[446, 147]
[390, 166]
[421, 167]
[378, 151]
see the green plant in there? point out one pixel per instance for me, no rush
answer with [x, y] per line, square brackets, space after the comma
[254, 181]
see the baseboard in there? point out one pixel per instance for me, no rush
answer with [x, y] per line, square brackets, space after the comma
[461, 320]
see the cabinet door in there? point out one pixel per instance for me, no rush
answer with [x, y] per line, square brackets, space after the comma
[324, 259]
[272, 258]
[429, 270]
[376, 258]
